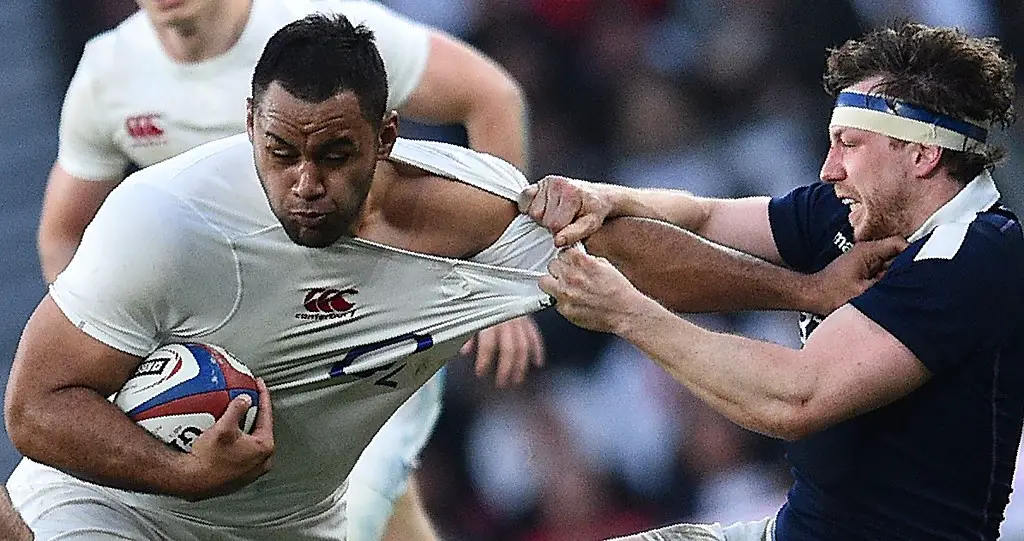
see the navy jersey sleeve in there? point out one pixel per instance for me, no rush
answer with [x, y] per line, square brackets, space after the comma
[954, 293]
[810, 226]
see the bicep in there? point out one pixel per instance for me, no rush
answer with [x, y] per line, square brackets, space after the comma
[54, 354]
[859, 367]
[741, 224]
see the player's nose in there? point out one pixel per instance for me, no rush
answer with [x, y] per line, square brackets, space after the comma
[832, 170]
[309, 184]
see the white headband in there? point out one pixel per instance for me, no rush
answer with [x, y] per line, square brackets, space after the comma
[906, 122]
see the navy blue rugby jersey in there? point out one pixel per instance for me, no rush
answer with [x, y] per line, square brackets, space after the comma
[938, 463]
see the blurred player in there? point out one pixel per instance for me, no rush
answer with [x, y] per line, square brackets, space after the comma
[903, 410]
[175, 75]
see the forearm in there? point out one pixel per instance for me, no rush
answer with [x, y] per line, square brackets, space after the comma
[677, 207]
[754, 384]
[12, 526]
[55, 252]
[687, 273]
[498, 124]
[99, 444]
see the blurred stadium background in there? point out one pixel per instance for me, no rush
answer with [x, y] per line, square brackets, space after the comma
[720, 97]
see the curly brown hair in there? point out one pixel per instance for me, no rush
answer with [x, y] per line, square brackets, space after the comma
[941, 69]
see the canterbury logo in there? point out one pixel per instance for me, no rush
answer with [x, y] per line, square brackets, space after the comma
[326, 301]
[143, 126]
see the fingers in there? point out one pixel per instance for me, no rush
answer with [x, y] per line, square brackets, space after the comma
[537, 204]
[892, 246]
[512, 360]
[227, 427]
[554, 203]
[562, 208]
[468, 347]
[510, 348]
[526, 198]
[485, 346]
[534, 341]
[264, 429]
[881, 253]
[577, 231]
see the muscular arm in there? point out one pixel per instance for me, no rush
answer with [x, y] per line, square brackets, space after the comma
[774, 390]
[574, 209]
[762, 386]
[461, 85]
[69, 204]
[12, 527]
[39, 399]
[688, 273]
[741, 224]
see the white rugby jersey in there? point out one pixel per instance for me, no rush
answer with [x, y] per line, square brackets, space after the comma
[129, 103]
[189, 250]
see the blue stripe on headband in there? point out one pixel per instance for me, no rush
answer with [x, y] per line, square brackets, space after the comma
[906, 110]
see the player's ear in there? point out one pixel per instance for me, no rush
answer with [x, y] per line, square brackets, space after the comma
[248, 116]
[387, 135]
[926, 159]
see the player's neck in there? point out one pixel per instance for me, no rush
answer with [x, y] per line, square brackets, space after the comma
[208, 35]
[373, 209]
[933, 194]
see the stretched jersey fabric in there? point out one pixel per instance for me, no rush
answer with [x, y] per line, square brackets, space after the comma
[189, 250]
[936, 464]
[129, 103]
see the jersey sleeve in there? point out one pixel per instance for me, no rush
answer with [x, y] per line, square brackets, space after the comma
[803, 224]
[943, 308]
[87, 149]
[403, 44]
[525, 244]
[148, 269]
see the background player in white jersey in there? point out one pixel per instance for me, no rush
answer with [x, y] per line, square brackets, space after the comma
[175, 75]
[222, 244]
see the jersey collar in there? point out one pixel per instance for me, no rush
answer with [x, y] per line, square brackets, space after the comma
[978, 196]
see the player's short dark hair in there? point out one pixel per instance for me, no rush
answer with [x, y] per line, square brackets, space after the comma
[941, 69]
[320, 56]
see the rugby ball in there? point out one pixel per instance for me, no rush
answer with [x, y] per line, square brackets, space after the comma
[180, 390]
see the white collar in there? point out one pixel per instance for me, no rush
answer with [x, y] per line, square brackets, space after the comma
[979, 195]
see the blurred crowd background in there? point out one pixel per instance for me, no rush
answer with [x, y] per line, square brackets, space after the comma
[719, 97]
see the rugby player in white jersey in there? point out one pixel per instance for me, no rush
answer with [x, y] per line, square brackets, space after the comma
[222, 244]
[175, 75]
[151, 223]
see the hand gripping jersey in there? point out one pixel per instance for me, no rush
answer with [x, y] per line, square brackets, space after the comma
[129, 103]
[188, 250]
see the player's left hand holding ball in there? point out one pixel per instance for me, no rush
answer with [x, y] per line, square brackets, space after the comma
[224, 458]
[590, 292]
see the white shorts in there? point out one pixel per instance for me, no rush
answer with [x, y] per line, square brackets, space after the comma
[381, 475]
[759, 530]
[57, 506]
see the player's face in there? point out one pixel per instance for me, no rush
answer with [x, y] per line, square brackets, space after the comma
[870, 175]
[316, 162]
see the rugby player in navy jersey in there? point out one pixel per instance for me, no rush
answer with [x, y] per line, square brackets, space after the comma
[903, 409]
